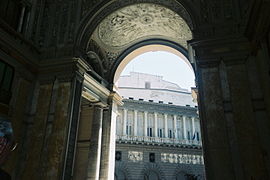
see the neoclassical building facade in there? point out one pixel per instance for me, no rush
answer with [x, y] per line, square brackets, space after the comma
[157, 130]
[58, 64]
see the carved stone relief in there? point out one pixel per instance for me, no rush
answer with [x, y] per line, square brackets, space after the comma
[134, 23]
[181, 158]
[144, 20]
[135, 156]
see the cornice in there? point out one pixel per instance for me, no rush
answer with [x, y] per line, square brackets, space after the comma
[63, 69]
[94, 91]
[231, 50]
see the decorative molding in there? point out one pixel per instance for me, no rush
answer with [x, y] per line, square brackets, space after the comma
[181, 158]
[135, 156]
[136, 22]
[154, 167]
[64, 69]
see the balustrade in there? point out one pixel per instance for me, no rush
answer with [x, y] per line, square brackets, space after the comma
[146, 139]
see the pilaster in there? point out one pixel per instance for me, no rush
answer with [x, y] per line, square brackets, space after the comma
[95, 145]
[135, 122]
[108, 137]
[184, 127]
[125, 122]
[175, 126]
[228, 127]
[145, 122]
[55, 123]
[155, 125]
[166, 125]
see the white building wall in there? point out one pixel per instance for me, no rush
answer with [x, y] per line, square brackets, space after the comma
[134, 86]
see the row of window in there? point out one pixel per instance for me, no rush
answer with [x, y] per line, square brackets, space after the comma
[161, 134]
[160, 123]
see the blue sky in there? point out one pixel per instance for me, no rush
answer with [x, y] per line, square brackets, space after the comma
[163, 63]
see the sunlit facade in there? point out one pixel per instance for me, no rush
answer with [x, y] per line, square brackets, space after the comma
[158, 130]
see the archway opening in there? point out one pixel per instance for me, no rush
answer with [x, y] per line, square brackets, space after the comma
[158, 121]
[135, 28]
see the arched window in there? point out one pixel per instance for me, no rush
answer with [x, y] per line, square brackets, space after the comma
[151, 175]
[181, 176]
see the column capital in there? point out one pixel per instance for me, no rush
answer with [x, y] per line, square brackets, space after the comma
[209, 52]
[63, 69]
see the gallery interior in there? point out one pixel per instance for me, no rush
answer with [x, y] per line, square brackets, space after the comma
[58, 64]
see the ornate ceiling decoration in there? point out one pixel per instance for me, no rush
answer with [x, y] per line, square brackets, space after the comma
[140, 21]
[137, 22]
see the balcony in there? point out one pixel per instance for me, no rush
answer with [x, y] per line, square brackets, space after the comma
[157, 141]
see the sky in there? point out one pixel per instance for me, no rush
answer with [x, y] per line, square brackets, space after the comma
[165, 64]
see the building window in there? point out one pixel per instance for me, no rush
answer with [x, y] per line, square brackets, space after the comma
[170, 134]
[6, 78]
[198, 137]
[152, 157]
[160, 124]
[16, 14]
[160, 133]
[129, 123]
[147, 85]
[188, 135]
[24, 18]
[118, 155]
[128, 130]
[150, 125]
[150, 132]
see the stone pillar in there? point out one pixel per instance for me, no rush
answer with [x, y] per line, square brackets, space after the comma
[229, 131]
[166, 125]
[53, 139]
[95, 145]
[184, 127]
[175, 126]
[107, 162]
[145, 123]
[135, 122]
[125, 123]
[155, 125]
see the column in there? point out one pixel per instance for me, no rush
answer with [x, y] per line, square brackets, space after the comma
[95, 145]
[166, 125]
[175, 126]
[193, 127]
[107, 163]
[145, 123]
[125, 122]
[184, 127]
[156, 124]
[135, 122]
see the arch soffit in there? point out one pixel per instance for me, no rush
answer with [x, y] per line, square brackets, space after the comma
[106, 7]
[153, 45]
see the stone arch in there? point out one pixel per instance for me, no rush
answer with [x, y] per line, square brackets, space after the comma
[91, 21]
[180, 51]
[121, 167]
[153, 167]
[183, 169]
[94, 17]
